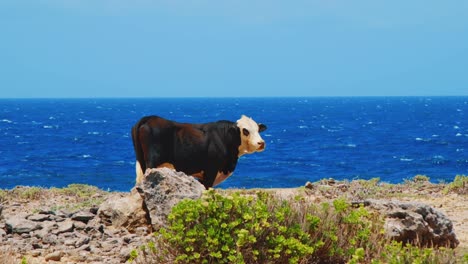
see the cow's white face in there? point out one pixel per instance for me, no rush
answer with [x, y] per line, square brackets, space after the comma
[251, 141]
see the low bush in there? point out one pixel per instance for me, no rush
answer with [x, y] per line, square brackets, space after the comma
[396, 253]
[459, 185]
[260, 228]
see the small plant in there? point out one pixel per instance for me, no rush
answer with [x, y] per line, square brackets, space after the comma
[421, 178]
[79, 190]
[397, 252]
[459, 185]
[3, 195]
[84, 196]
[133, 255]
[27, 193]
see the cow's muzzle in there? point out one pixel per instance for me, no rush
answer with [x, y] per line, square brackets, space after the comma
[261, 146]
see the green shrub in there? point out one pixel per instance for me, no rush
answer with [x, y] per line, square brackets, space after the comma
[3, 195]
[78, 190]
[421, 178]
[235, 229]
[396, 253]
[459, 185]
[262, 229]
[27, 193]
[133, 255]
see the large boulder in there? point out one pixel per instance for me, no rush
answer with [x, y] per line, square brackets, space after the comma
[124, 211]
[151, 201]
[163, 188]
[415, 223]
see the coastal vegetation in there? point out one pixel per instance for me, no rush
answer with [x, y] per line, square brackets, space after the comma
[254, 226]
[318, 223]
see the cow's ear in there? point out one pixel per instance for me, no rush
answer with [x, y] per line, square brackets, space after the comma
[261, 127]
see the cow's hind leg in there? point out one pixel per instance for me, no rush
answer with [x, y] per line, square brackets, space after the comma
[139, 172]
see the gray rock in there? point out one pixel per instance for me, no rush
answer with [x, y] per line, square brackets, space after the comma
[70, 242]
[47, 212]
[19, 225]
[128, 238]
[63, 227]
[125, 254]
[79, 225]
[127, 212]
[54, 256]
[85, 247]
[415, 223]
[47, 227]
[111, 245]
[50, 239]
[39, 217]
[83, 216]
[163, 188]
[82, 241]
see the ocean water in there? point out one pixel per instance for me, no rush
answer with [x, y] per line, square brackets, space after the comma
[56, 142]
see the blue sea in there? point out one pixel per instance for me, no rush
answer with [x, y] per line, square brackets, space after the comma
[56, 142]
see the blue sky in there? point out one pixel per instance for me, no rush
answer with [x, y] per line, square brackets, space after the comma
[174, 48]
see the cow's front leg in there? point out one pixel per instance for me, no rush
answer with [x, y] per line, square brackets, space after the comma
[209, 178]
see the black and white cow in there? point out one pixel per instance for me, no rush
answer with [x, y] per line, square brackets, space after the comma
[207, 151]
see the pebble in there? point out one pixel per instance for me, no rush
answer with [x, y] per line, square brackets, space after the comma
[55, 256]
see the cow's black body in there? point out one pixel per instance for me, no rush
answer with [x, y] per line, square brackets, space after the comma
[202, 150]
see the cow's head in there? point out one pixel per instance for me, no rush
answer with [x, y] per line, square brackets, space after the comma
[251, 141]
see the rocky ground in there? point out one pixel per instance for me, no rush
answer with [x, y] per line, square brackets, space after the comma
[41, 225]
[66, 226]
[453, 203]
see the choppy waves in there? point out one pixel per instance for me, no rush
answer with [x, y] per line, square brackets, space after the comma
[58, 142]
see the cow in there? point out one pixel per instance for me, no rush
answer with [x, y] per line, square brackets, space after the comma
[208, 152]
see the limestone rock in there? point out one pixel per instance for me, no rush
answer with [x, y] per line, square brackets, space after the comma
[55, 256]
[19, 225]
[64, 227]
[415, 223]
[163, 188]
[39, 217]
[127, 211]
[83, 216]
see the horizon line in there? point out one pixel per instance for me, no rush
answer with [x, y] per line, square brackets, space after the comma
[230, 97]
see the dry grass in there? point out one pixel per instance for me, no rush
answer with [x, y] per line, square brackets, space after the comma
[71, 198]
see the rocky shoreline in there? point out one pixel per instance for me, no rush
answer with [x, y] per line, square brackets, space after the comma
[88, 225]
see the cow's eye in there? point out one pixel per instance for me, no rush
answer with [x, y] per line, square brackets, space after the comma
[245, 132]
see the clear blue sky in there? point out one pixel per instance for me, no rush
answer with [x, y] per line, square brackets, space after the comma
[152, 48]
